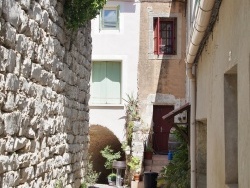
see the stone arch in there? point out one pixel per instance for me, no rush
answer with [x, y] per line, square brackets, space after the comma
[100, 137]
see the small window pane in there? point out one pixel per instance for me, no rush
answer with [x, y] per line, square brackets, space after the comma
[110, 18]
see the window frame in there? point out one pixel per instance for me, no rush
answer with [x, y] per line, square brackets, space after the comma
[106, 85]
[158, 35]
[102, 24]
[180, 35]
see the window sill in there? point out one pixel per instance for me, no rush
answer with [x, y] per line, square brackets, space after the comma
[161, 56]
[105, 106]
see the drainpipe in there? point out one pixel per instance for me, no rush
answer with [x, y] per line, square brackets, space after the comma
[201, 21]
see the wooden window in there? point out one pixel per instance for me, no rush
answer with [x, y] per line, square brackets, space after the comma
[165, 36]
[110, 18]
[106, 82]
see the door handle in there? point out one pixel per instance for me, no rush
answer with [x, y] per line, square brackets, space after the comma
[161, 129]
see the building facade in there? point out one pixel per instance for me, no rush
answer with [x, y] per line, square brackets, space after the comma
[115, 37]
[161, 69]
[220, 93]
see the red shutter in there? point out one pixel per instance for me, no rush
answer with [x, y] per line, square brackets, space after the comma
[157, 36]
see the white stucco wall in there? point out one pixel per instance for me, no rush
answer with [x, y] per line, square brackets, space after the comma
[121, 45]
[227, 47]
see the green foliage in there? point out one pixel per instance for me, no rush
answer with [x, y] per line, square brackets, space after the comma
[134, 163]
[78, 12]
[91, 176]
[84, 185]
[110, 156]
[112, 177]
[132, 108]
[59, 184]
[177, 172]
[148, 147]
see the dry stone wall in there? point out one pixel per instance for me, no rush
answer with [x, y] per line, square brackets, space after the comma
[44, 93]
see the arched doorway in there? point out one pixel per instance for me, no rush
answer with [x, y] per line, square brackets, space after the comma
[100, 137]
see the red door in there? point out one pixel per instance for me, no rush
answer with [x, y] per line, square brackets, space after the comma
[161, 128]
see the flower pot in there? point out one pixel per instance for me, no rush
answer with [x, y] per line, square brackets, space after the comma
[148, 155]
[137, 177]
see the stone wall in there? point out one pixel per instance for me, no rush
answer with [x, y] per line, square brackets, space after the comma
[44, 93]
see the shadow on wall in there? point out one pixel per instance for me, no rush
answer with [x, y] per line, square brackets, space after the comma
[100, 137]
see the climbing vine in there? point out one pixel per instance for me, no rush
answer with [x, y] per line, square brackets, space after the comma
[78, 12]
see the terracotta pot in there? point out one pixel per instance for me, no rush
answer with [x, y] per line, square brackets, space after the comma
[137, 177]
[148, 155]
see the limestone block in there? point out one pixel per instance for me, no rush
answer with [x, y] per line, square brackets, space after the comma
[36, 72]
[31, 46]
[18, 64]
[27, 174]
[8, 60]
[14, 144]
[25, 4]
[24, 185]
[11, 178]
[24, 21]
[45, 153]
[40, 168]
[35, 11]
[22, 103]
[61, 35]
[45, 4]
[10, 104]
[21, 44]
[53, 15]
[12, 82]
[50, 165]
[11, 12]
[67, 158]
[4, 160]
[44, 20]
[45, 77]
[2, 98]
[24, 159]
[58, 161]
[70, 138]
[79, 139]
[12, 122]
[29, 32]
[52, 28]
[26, 68]
[9, 35]
[2, 84]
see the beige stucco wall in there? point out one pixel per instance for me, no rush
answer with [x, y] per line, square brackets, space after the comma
[228, 45]
[160, 81]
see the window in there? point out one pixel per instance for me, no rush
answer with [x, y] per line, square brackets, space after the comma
[106, 82]
[110, 18]
[165, 36]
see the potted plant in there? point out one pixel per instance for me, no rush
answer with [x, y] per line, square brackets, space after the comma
[112, 178]
[110, 156]
[148, 151]
[135, 166]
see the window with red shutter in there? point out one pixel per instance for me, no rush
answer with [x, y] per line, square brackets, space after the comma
[165, 36]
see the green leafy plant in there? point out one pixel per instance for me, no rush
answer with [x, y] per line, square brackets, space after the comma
[78, 12]
[132, 108]
[110, 156]
[134, 164]
[112, 177]
[177, 172]
[148, 147]
[91, 176]
[59, 184]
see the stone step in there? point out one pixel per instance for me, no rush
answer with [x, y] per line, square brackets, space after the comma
[157, 163]
[153, 169]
